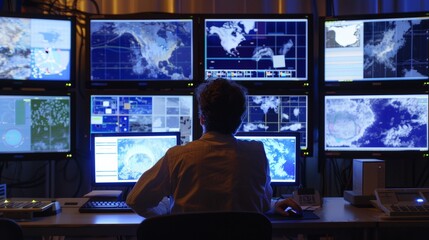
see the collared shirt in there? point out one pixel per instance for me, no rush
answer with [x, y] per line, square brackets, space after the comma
[214, 173]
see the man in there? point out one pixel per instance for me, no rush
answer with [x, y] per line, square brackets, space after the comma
[214, 173]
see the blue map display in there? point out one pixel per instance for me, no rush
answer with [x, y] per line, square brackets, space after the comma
[282, 156]
[256, 49]
[277, 113]
[396, 49]
[391, 122]
[141, 50]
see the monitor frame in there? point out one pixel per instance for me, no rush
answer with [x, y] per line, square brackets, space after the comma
[261, 83]
[370, 83]
[47, 155]
[154, 84]
[52, 84]
[298, 174]
[368, 153]
[114, 135]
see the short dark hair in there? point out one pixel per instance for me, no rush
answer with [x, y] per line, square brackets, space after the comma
[221, 103]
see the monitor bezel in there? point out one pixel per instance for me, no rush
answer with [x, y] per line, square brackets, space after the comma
[380, 154]
[54, 84]
[54, 156]
[148, 84]
[298, 84]
[370, 83]
[298, 173]
[110, 134]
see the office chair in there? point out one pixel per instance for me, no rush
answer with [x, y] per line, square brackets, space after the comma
[207, 226]
[10, 230]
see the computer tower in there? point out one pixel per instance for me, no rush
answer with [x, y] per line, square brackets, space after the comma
[368, 174]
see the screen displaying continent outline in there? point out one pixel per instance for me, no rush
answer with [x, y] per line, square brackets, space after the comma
[136, 50]
[256, 49]
[35, 49]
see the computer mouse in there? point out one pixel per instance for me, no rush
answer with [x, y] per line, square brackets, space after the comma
[293, 213]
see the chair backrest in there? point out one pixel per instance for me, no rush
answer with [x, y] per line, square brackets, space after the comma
[207, 225]
[10, 230]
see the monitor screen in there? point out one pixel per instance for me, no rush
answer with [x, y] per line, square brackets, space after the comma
[141, 50]
[143, 113]
[283, 153]
[376, 48]
[373, 124]
[35, 127]
[121, 158]
[277, 113]
[258, 48]
[37, 51]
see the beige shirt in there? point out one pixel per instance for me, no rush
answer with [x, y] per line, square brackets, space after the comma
[214, 173]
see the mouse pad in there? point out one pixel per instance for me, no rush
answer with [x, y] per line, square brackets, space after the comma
[306, 215]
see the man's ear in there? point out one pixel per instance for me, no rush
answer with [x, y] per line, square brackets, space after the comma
[202, 120]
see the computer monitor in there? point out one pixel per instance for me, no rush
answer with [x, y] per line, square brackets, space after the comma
[36, 127]
[121, 158]
[141, 51]
[278, 113]
[375, 125]
[37, 51]
[376, 50]
[258, 49]
[283, 153]
[143, 113]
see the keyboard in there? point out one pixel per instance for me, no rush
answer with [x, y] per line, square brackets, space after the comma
[403, 203]
[104, 206]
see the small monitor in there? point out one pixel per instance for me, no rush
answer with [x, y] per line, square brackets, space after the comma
[381, 49]
[257, 49]
[37, 51]
[121, 158]
[375, 125]
[143, 113]
[278, 113]
[283, 153]
[36, 127]
[141, 50]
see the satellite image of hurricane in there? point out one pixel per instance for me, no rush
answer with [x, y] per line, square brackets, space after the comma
[137, 50]
[395, 122]
[273, 113]
[34, 49]
[137, 156]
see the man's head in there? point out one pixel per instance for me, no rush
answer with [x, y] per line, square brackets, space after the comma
[221, 105]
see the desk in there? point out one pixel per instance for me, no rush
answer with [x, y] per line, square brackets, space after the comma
[337, 218]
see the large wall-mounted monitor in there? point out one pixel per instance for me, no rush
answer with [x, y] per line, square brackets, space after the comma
[143, 113]
[141, 51]
[375, 50]
[37, 51]
[36, 127]
[121, 158]
[375, 125]
[258, 49]
[279, 113]
[283, 154]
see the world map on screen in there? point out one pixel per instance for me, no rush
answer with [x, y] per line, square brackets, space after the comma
[376, 122]
[141, 50]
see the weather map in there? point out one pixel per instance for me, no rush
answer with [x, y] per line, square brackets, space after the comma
[256, 49]
[35, 124]
[277, 113]
[141, 50]
[134, 113]
[35, 49]
[281, 154]
[390, 122]
[136, 155]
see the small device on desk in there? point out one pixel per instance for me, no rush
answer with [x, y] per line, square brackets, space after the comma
[403, 203]
[25, 210]
[104, 201]
[308, 198]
